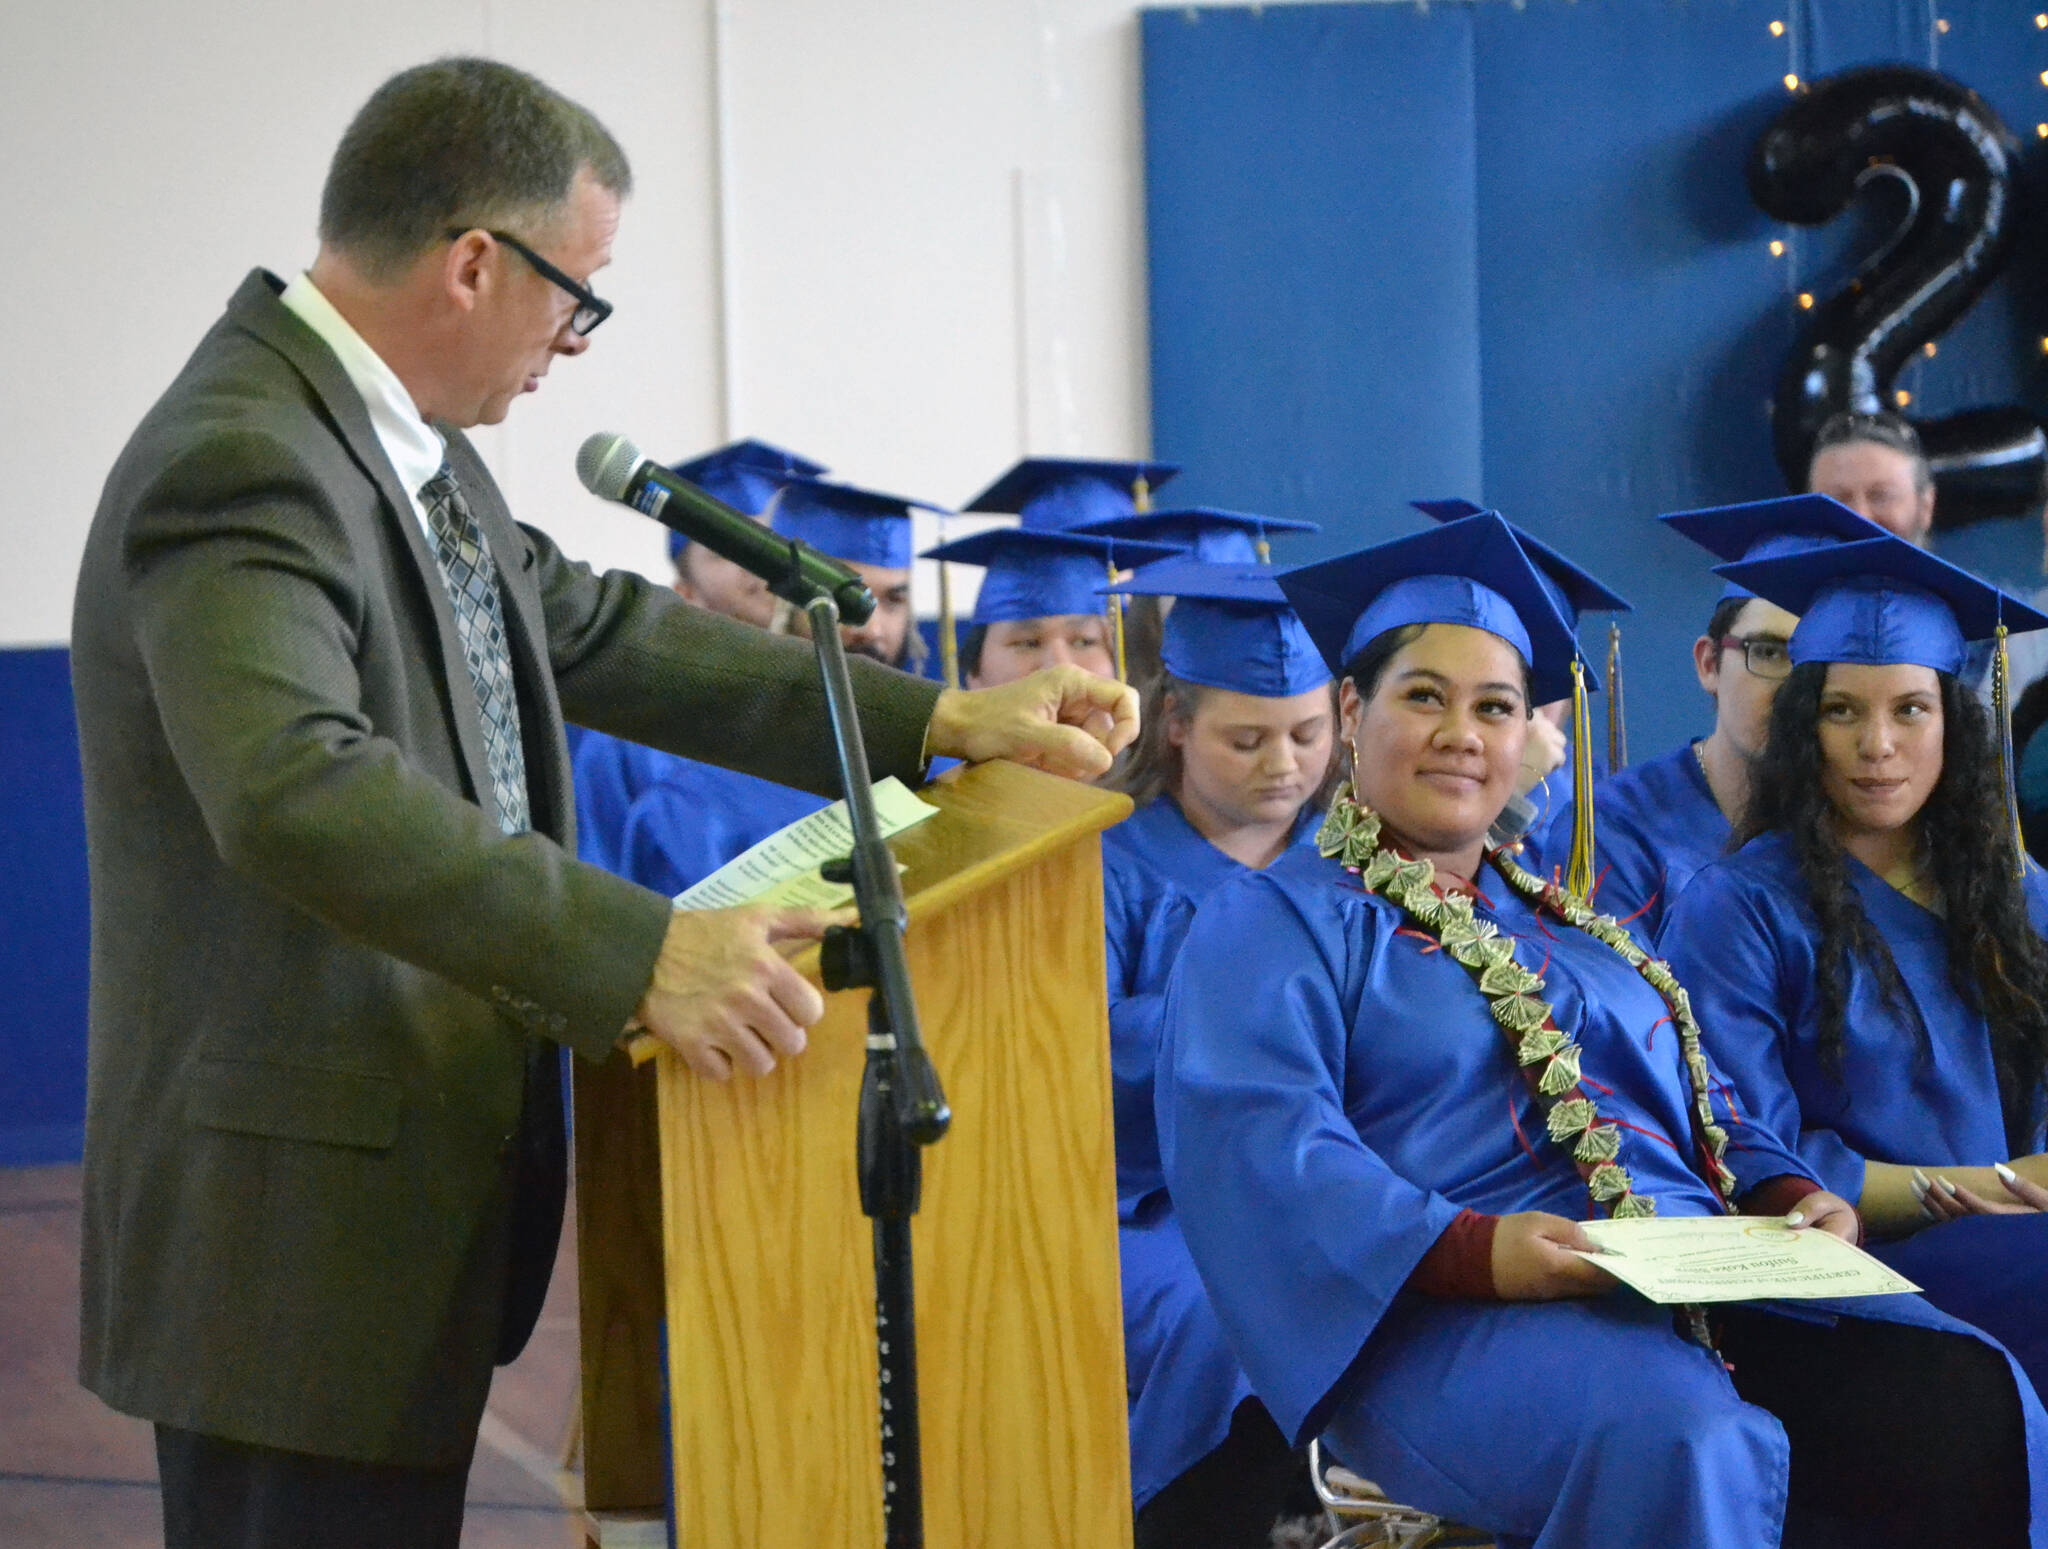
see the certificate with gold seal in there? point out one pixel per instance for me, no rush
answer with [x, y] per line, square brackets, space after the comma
[1736, 1259]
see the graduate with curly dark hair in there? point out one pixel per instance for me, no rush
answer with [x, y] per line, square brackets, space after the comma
[1869, 966]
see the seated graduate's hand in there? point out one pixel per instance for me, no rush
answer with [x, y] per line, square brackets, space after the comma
[1944, 1199]
[1825, 1212]
[1064, 720]
[723, 995]
[1533, 1259]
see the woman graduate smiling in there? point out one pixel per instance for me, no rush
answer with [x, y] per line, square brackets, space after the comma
[1870, 963]
[1396, 1074]
[1239, 731]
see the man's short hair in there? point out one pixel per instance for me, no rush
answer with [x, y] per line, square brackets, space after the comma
[1880, 429]
[1723, 618]
[456, 144]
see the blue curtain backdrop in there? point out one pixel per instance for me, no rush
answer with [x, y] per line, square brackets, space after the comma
[1507, 252]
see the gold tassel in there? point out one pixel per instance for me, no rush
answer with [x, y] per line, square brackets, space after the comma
[2001, 711]
[1617, 724]
[949, 643]
[1141, 502]
[1265, 549]
[1578, 876]
[1116, 619]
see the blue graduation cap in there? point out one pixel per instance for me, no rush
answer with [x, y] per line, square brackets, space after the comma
[1470, 571]
[1209, 535]
[745, 475]
[1766, 529]
[1053, 494]
[1036, 575]
[1574, 589]
[1231, 628]
[1882, 602]
[848, 522]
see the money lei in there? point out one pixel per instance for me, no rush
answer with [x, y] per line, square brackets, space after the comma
[1546, 1054]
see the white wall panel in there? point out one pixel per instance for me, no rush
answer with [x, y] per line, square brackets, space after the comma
[936, 237]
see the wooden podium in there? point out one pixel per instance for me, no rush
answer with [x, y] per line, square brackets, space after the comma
[761, 1259]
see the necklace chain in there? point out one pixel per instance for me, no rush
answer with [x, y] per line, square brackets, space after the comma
[1547, 1055]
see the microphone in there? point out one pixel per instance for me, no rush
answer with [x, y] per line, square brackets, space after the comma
[612, 468]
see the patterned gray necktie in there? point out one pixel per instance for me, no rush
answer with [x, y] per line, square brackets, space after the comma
[471, 577]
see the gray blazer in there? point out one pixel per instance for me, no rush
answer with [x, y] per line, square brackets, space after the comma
[317, 965]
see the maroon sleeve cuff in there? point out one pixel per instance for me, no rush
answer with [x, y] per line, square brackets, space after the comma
[1776, 1196]
[1459, 1264]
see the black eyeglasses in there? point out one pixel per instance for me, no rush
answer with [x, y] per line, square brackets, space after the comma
[591, 308]
[1766, 656]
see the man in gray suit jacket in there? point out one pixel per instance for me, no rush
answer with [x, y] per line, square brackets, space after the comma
[339, 930]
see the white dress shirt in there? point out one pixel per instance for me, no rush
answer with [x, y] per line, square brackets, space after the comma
[413, 446]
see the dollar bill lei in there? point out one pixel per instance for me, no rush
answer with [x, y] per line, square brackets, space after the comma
[1546, 1054]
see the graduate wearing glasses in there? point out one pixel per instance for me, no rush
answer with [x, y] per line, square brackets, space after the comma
[1870, 963]
[1661, 821]
[1229, 772]
[1396, 1074]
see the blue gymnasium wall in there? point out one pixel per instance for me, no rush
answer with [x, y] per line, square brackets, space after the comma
[42, 912]
[1507, 252]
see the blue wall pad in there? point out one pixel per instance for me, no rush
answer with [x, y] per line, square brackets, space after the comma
[43, 928]
[1507, 252]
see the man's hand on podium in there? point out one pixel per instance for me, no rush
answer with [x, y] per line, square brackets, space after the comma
[723, 995]
[1064, 720]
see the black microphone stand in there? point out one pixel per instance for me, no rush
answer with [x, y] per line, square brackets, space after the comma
[902, 1106]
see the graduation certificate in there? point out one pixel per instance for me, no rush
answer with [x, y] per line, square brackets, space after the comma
[1736, 1259]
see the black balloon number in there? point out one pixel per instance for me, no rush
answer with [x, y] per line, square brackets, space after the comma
[1952, 158]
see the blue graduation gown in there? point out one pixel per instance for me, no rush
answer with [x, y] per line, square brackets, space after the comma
[609, 772]
[1654, 825]
[695, 817]
[1183, 1381]
[1744, 938]
[1332, 1091]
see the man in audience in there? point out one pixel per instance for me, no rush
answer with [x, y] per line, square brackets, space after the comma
[611, 771]
[1873, 464]
[869, 533]
[748, 476]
